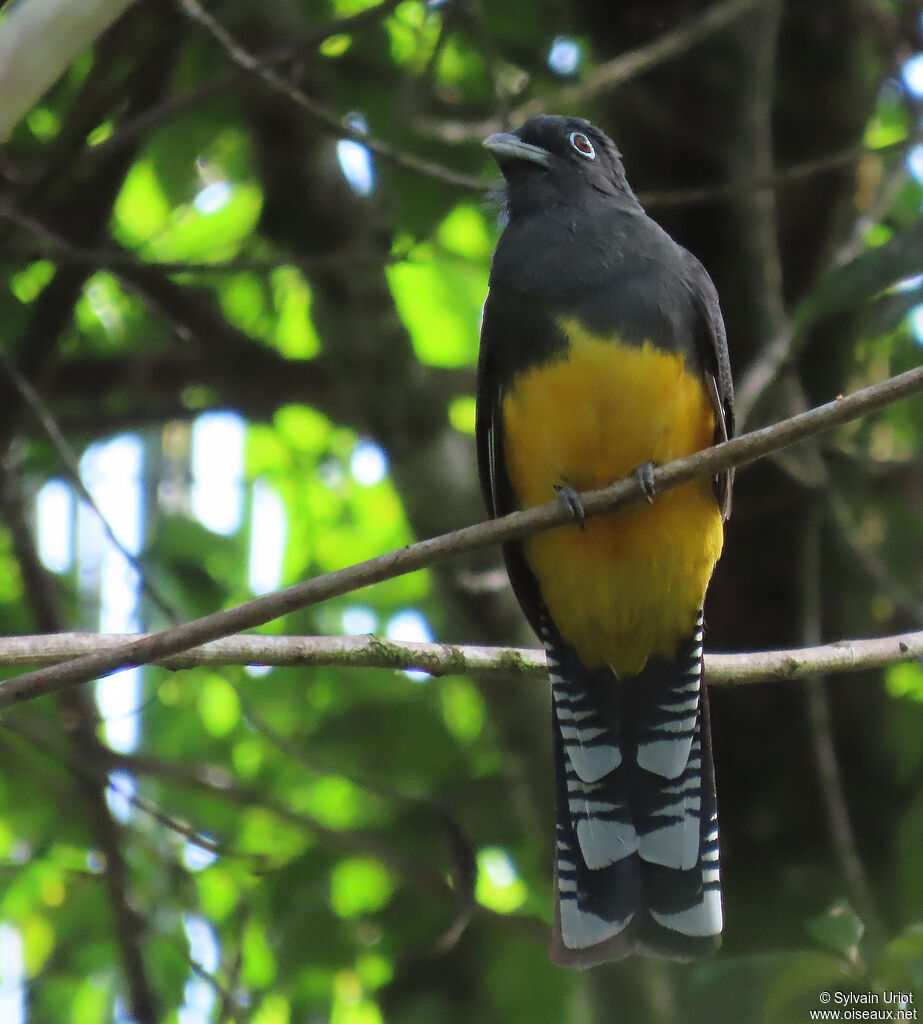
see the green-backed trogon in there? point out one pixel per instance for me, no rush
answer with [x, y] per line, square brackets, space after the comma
[603, 353]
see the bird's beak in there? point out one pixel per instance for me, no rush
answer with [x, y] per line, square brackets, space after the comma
[505, 146]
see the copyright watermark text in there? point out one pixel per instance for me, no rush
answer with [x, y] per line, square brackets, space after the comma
[865, 1006]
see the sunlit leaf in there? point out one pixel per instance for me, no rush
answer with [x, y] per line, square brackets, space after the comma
[214, 235]
[294, 333]
[498, 885]
[28, 283]
[38, 941]
[906, 680]
[218, 892]
[141, 210]
[218, 705]
[440, 296]
[91, 1001]
[259, 964]
[274, 1009]
[359, 886]
[463, 708]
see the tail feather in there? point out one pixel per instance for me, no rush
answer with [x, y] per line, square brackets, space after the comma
[637, 837]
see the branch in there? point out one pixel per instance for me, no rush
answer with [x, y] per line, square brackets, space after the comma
[794, 173]
[247, 62]
[706, 463]
[609, 75]
[757, 207]
[455, 659]
[71, 464]
[823, 747]
[169, 108]
[39, 40]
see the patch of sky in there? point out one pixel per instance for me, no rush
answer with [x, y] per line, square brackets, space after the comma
[12, 976]
[198, 994]
[912, 74]
[197, 857]
[268, 528]
[112, 474]
[217, 471]
[55, 525]
[909, 284]
[213, 197]
[368, 463]
[915, 163]
[410, 625]
[916, 324]
[355, 159]
[564, 56]
[357, 620]
[119, 795]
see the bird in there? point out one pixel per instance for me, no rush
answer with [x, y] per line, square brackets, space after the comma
[603, 353]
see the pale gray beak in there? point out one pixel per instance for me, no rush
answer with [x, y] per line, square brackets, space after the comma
[506, 146]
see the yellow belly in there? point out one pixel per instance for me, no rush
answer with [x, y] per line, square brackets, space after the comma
[628, 586]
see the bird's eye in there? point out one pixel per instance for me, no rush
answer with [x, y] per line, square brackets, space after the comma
[583, 145]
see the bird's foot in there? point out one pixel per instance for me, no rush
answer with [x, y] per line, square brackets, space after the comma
[570, 499]
[644, 474]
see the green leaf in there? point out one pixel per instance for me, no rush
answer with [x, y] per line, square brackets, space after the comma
[38, 941]
[294, 334]
[462, 708]
[498, 886]
[91, 1001]
[838, 930]
[213, 236]
[219, 705]
[463, 414]
[258, 966]
[359, 886]
[906, 680]
[797, 982]
[440, 290]
[141, 210]
[29, 283]
[274, 1009]
[219, 892]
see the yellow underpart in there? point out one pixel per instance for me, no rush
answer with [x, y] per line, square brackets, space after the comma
[628, 586]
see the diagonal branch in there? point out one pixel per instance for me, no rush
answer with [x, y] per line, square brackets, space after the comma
[68, 459]
[706, 463]
[247, 62]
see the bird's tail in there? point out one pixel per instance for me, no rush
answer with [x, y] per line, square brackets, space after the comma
[637, 827]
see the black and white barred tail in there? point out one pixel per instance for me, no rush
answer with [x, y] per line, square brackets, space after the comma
[637, 822]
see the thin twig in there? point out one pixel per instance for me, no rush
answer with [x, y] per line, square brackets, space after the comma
[456, 659]
[823, 748]
[609, 75]
[162, 112]
[72, 467]
[662, 198]
[757, 207]
[245, 60]
[706, 463]
[76, 709]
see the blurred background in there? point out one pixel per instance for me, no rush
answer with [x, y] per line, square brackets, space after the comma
[238, 350]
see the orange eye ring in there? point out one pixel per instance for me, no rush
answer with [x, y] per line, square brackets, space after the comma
[582, 145]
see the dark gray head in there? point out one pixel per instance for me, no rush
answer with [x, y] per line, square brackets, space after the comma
[552, 160]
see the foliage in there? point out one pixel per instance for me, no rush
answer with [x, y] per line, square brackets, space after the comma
[259, 338]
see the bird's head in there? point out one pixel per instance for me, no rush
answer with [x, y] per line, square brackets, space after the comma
[553, 159]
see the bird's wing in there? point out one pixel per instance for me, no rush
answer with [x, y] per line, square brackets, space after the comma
[711, 344]
[498, 493]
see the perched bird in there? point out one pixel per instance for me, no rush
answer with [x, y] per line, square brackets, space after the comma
[603, 353]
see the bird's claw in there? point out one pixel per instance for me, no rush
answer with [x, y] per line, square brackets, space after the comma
[570, 499]
[644, 474]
